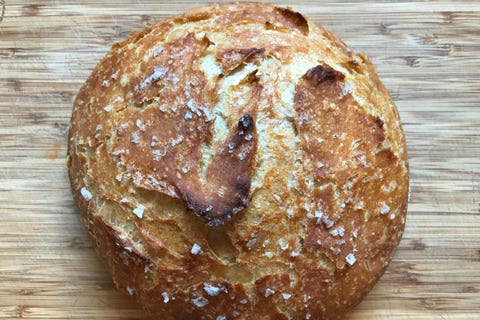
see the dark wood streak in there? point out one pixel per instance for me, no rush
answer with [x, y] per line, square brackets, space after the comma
[31, 10]
[2, 10]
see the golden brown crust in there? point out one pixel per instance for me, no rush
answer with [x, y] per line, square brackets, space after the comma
[282, 141]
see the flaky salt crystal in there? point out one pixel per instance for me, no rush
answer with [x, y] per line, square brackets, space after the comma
[385, 209]
[86, 194]
[196, 249]
[350, 259]
[283, 244]
[286, 296]
[211, 290]
[138, 211]
[200, 302]
[166, 297]
[269, 292]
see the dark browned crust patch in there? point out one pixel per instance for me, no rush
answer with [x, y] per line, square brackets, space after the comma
[322, 73]
[228, 177]
[231, 59]
[293, 19]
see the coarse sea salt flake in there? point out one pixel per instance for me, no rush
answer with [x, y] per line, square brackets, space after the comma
[242, 155]
[176, 141]
[140, 125]
[138, 211]
[347, 88]
[350, 258]
[86, 194]
[135, 138]
[157, 51]
[160, 152]
[200, 302]
[166, 297]
[154, 141]
[122, 127]
[360, 205]
[283, 244]
[290, 213]
[158, 73]
[108, 107]
[173, 79]
[268, 254]
[328, 223]
[196, 249]
[318, 215]
[384, 209]
[208, 115]
[124, 80]
[286, 296]
[221, 318]
[269, 292]
[163, 108]
[130, 290]
[340, 231]
[211, 290]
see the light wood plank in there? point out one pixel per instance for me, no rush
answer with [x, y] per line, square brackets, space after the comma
[426, 52]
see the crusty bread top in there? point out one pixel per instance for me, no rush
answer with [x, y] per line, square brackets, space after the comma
[238, 160]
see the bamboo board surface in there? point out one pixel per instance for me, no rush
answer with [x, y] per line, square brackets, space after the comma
[426, 53]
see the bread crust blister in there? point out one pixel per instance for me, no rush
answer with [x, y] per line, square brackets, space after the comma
[239, 162]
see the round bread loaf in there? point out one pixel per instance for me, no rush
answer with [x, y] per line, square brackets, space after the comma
[239, 162]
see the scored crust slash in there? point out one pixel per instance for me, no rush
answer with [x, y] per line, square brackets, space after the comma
[234, 162]
[239, 162]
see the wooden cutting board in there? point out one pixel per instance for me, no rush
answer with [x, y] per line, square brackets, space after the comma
[428, 56]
